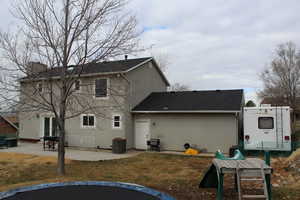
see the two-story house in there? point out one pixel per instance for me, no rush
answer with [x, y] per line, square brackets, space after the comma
[134, 103]
[115, 86]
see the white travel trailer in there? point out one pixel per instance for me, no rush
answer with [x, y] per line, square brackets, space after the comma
[267, 128]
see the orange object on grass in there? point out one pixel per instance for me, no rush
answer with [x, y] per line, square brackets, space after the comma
[191, 151]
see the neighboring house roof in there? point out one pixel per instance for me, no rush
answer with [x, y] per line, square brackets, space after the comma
[10, 120]
[106, 67]
[273, 101]
[192, 101]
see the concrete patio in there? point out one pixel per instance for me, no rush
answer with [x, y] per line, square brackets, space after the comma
[71, 153]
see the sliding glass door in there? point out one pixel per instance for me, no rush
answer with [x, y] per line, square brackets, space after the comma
[50, 127]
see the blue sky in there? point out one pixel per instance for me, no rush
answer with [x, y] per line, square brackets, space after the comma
[219, 44]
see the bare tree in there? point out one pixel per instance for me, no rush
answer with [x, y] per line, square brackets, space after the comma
[282, 78]
[179, 87]
[61, 37]
[250, 103]
[163, 60]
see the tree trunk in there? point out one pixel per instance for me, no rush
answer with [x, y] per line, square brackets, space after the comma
[61, 148]
[61, 143]
[63, 94]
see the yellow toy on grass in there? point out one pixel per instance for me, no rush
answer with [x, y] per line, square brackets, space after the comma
[191, 151]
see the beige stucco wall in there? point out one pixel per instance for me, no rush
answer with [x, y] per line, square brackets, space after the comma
[104, 109]
[29, 125]
[99, 136]
[210, 131]
[143, 81]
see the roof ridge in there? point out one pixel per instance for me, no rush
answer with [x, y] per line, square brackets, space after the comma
[91, 68]
[190, 101]
[129, 59]
[191, 91]
[102, 62]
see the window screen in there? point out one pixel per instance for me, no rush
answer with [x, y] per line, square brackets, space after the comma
[91, 121]
[47, 126]
[77, 85]
[101, 88]
[85, 120]
[88, 120]
[40, 87]
[265, 123]
[54, 127]
[117, 121]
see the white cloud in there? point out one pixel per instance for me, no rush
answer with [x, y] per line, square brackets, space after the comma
[252, 95]
[220, 44]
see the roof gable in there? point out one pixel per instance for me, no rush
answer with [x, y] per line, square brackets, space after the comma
[191, 101]
[9, 122]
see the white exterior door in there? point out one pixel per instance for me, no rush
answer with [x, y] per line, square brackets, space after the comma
[142, 133]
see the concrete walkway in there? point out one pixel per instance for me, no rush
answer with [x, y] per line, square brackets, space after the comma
[71, 153]
[203, 155]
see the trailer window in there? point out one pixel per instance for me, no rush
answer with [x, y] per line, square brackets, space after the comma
[265, 123]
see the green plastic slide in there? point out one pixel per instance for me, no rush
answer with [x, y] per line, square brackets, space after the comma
[237, 155]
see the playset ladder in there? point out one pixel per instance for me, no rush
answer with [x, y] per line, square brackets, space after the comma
[251, 175]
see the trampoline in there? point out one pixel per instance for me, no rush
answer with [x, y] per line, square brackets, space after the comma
[90, 190]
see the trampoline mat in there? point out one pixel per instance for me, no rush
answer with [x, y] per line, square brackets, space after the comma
[87, 192]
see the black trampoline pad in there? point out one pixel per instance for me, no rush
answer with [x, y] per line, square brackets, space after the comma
[86, 192]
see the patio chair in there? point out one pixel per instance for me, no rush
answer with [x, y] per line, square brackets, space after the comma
[154, 144]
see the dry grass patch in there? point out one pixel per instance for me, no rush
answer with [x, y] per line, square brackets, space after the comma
[174, 174]
[27, 159]
[177, 175]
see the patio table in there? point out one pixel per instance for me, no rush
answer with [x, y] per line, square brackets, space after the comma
[50, 141]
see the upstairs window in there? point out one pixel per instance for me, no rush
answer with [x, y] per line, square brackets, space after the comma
[101, 88]
[77, 85]
[117, 121]
[88, 120]
[40, 87]
[265, 123]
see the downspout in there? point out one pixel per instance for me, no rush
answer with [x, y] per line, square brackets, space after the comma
[237, 127]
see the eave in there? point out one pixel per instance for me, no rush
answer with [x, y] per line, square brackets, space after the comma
[188, 111]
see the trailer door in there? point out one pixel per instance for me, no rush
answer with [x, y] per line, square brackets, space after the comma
[267, 131]
[267, 128]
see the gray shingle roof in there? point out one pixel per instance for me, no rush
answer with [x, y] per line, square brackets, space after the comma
[95, 68]
[214, 100]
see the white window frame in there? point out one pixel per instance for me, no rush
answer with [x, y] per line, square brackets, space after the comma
[258, 121]
[107, 88]
[79, 86]
[113, 121]
[87, 126]
[42, 126]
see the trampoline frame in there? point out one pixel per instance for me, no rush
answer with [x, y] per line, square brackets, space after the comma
[128, 186]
